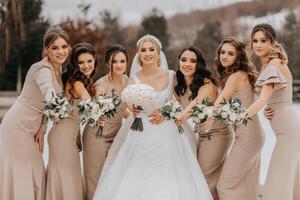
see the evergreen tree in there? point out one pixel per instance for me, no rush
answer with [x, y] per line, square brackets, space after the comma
[112, 27]
[155, 24]
[291, 43]
[208, 39]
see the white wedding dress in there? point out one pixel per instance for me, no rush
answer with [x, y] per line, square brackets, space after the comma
[156, 164]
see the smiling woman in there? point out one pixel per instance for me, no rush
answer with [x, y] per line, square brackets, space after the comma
[64, 179]
[22, 172]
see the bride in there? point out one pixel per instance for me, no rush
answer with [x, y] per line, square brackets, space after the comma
[158, 163]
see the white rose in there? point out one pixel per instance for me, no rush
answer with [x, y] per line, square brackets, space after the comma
[201, 116]
[226, 107]
[232, 117]
[224, 115]
[196, 120]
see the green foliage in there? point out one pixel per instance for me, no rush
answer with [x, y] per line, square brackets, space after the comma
[112, 28]
[208, 39]
[290, 38]
[155, 24]
[25, 53]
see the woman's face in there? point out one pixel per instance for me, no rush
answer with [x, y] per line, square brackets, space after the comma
[187, 63]
[118, 64]
[228, 55]
[148, 54]
[58, 52]
[86, 63]
[261, 44]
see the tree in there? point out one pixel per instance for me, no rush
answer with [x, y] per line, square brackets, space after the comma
[25, 38]
[112, 27]
[84, 30]
[12, 28]
[208, 39]
[291, 41]
[155, 24]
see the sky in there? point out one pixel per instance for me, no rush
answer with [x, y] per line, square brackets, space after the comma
[129, 11]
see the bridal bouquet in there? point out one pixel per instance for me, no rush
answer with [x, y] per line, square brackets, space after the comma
[201, 113]
[108, 105]
[91, 110]
[172, 110]
[142, 97]
[57, 107]
[232, 112]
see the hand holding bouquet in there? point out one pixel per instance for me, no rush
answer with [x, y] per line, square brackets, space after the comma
[172, 110]
[202, 113]
[108, 105]
[142, 97]
[233, 113]
[91, 110]
[57, 107]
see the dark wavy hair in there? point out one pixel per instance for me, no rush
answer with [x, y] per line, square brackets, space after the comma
[73, 72]
[242, 62]
[277, 50]
[200, 75]
[111, 53]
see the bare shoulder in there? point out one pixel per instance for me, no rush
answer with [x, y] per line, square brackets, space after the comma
[78, 86]
[130, 81]
[208, 87]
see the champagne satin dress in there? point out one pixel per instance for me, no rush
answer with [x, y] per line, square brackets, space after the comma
[239, 177]
[212, 153]
[283, 178]
[95, 149]
[64, 178]
[22, 170]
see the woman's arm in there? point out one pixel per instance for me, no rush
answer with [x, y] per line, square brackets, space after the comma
[80, 91]
[44, 79]
[206, 91]
[266, 93]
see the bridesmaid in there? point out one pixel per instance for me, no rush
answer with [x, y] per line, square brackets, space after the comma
[193, 83]
[22, 171]
[239, 177]
[64, 178]
[275, 84]
[95, 149]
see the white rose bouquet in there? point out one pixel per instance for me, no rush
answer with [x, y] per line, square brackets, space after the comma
[172, 110]
[232, 112]
[201, 113]
[108, 105]
[57, 108]
[91, 110]
[142, 97]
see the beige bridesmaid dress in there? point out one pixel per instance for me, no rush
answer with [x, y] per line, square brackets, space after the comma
[283, 178]
[22, 171]
[212, 153]
[95, 149]
[239, 179]
[64, 178]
